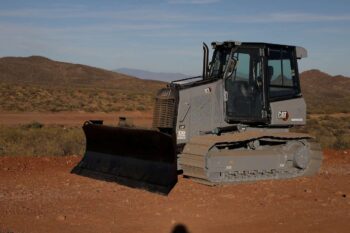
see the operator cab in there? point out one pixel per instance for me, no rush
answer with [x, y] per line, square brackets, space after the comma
[255, 74]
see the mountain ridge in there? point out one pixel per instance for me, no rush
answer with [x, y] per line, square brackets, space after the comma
[37, 83]
[64, 86]
[325, 93]
[42, 70]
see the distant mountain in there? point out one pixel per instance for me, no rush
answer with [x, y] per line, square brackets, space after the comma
[144, 74]
[37, 69]
[325, 93]
[40, 84]
[44, 71]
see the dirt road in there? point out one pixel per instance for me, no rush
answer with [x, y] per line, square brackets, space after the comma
[40, 195]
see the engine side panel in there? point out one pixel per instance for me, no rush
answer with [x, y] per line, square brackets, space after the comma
[200, 109]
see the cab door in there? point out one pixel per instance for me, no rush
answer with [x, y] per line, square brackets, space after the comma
[244, 88]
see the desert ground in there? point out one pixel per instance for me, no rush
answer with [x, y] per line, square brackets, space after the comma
[39, 194]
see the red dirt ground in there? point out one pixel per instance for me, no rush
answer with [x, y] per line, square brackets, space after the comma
[38, 194]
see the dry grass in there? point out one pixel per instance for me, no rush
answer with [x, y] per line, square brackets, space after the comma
[331, 132]
[35, 139]
[28, 98]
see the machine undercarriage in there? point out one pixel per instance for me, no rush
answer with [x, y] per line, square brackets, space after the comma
[250, 156]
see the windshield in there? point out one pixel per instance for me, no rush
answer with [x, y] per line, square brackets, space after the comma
[218, 63]
[240, 67]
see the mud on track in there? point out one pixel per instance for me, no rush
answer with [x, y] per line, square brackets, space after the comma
[40, 195]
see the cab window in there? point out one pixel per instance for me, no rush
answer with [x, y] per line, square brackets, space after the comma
[281, 75]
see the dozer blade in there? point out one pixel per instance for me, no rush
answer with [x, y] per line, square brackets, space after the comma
[139, 158]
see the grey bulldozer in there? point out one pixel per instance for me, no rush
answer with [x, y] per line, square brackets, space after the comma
[229, 125]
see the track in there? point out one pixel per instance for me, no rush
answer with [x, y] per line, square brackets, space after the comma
[222, 159]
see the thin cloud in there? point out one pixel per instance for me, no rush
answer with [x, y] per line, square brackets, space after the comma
[303, 17]
[156, 15]
[199, 2]
[44, 13]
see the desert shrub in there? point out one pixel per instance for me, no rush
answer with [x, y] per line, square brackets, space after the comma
[33, 125]
[141, 108]
[26, 98]
[114, 109]
[341, 143]
[331, 132]
[129, 108]
[49, 140]
[131, 97]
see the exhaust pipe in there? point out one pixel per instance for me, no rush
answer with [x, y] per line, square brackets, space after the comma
[205, 61]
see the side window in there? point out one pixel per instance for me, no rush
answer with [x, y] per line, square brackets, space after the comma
[242, 67]
[275, 72]
[287, 70]
[283, 83]
[287, 73]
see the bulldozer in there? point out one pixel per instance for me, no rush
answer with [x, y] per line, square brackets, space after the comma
[229, 125]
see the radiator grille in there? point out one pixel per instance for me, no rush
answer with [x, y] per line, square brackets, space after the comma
[164, 111]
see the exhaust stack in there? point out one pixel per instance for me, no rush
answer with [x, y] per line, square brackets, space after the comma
[205, 61]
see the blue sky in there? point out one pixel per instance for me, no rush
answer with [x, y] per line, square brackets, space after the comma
[166, 36]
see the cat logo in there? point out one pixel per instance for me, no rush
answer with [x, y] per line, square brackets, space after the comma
[283, 115]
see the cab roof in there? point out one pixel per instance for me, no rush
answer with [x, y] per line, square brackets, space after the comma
[300, 51]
